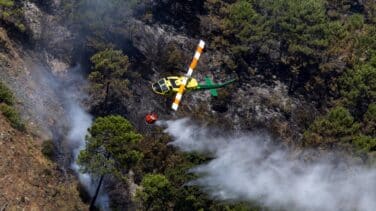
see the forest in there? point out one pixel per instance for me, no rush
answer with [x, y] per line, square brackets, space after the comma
[322, 51]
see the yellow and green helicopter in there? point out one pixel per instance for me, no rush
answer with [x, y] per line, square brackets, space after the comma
[171, 84]
[179, 84]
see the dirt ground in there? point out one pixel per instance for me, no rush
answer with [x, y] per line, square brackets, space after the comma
[28, 180]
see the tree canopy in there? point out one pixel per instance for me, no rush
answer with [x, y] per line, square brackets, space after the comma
[155, 193]
[108, 64]
[111, 147]
[337, 126]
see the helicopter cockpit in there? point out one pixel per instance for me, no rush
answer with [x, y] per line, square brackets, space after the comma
[161, 87]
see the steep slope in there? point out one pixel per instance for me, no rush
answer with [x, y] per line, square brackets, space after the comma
[27, 179]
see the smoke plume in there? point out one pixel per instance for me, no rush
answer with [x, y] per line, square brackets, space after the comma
[249, 167]
[81, 121]
[56, 101]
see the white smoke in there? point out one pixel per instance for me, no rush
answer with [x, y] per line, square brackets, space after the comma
[249, 167]
[80, 122]
[58, 99]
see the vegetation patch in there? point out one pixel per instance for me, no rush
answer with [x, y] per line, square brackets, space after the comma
[48, 149]
[110, 147]
[13, 116]
[6, 107]
[6, 95]
[12, 14]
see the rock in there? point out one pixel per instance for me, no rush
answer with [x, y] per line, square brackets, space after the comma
[149, 40]
[58, 40]
[47, 31]
[33, 17]
[57, 66]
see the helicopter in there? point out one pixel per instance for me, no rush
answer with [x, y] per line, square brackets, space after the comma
[179, 84]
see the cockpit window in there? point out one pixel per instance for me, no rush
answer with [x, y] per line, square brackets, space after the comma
[160, 86]
[163, 86]
[157, 88]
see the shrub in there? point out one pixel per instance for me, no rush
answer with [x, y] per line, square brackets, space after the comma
[13, 116]
[48, 149]
[6, 95]
[6, 3]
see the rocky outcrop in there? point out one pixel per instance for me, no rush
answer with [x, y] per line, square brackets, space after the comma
[34, 18]
[47, 33]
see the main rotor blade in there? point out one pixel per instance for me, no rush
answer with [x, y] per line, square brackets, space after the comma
[193, 65]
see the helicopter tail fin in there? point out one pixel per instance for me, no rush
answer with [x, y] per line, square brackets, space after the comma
[209, 82]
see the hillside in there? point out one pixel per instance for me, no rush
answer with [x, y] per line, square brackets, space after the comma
[295, 131]
[28, 179]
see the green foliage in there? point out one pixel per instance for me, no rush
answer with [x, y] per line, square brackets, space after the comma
[160, 158]
[337, 127]
[369, 121]
[12, 14]
[110, 67]
[355, 22]
[365, 144]
[110, 147]
[358, 87]
[301, 26]
[155, 192]
[21, 27]
[48, 149]
[13, 116]
[6, 95]
[245, 24]
[294, 34]
[109, 63]
[6, 3]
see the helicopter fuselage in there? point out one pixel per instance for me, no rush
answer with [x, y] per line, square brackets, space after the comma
[171, 84]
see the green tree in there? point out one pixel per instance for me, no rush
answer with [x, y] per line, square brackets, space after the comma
[358, 87]
[301, 26]
[108, 64]
[109, 70]
[365, 144]
[369, 121]
[111, 147]
[293, 34]
[155, 192]
[244, 26]
[337, 127]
